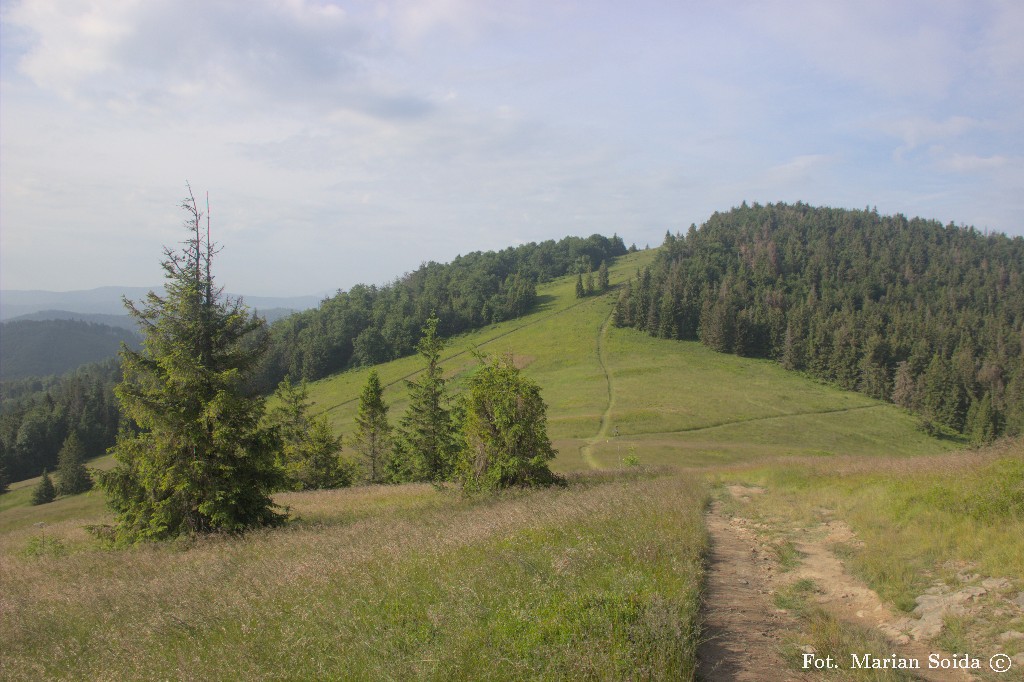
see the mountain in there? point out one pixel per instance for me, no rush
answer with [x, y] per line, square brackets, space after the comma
[121, 321]
[46, 347]
[929, 316]
[108, 301]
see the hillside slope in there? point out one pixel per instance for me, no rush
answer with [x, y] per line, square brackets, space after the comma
[669, 402]
[45, 347]
[600, 579]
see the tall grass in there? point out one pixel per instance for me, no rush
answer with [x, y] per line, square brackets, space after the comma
[596, 581]
[920, 520]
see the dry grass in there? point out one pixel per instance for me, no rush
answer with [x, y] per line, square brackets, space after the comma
[597, 580]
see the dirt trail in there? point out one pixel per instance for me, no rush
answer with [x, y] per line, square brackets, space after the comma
[587, 451]
[744, 631]
[850, 600]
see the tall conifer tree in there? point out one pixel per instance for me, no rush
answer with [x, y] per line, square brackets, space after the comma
[310, 454]
[373, 433]
[44, 492]
[427, 430]
[602, 276]
[73, 478]
[201, 461]
[5, 480]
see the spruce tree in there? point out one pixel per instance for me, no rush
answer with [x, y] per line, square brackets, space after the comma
[602, 276]
[200, 460]
[44, 492]
[72, 476]
[427, 430]
[504, 429]
[309, 454]
[982, 421]
[580, 291]
[373, 433]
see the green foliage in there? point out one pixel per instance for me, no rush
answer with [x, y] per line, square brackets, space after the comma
[427, 431]
[201, 460]
[504, 430]
[602, 276]
[926, 315]
[369, 324]
[580, 291]
[38, 414]
[983, 423]
[321, 464]
[310, 451]
[73, 478]
[373, 432]
[43, 545]
[44, 492]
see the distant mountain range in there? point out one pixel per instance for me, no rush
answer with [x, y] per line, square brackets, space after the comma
[106, 302]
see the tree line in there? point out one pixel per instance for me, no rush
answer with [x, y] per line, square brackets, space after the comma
[363, 326]
[38, 416]
[205, 456]
[928, 316]
[493, 435]
[199, 452]
[368, 325]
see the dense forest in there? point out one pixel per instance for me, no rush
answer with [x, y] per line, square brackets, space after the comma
[369, 324]
[363, 326]
[44, 347]
[38, 415]
[928, 316]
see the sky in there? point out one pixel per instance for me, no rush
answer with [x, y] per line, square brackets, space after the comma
[347, 142]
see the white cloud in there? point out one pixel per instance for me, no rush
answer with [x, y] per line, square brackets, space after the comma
[799, 169]
[972, 163]
[899, 48]
[916, 131]
[174, 56]
[344, 142]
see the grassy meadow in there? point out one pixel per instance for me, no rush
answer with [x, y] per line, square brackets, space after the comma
[600, 579]
[671, 403]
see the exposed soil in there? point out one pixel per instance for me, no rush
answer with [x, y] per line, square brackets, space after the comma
[742, 629]
[745, 632]
[850, 600]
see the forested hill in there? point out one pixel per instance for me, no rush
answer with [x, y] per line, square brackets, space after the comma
[38, 414]
[928, 316]
[365, 325]
[368, 324]
[45, 347]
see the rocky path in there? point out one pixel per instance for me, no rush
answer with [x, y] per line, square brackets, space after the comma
[850, 600]
[745, 631]
[742, 628]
